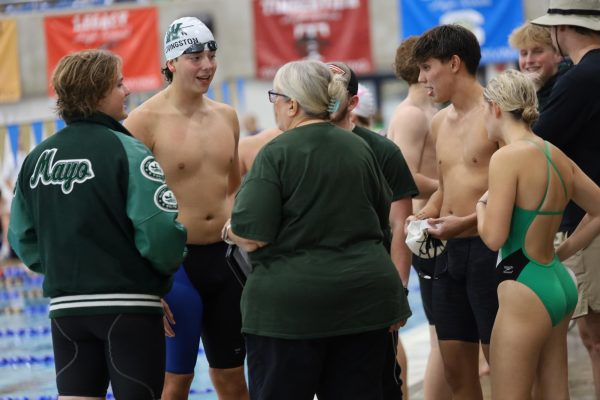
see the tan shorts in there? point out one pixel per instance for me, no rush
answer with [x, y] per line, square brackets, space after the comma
[585, 266]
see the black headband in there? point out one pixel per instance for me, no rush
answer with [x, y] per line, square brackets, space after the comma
[573, 12]
[352, 83]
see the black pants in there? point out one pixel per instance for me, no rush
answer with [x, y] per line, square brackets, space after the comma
[391, 379]
[345, 367]
[126, 349]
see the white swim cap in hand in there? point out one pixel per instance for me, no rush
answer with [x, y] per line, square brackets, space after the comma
[420, 242]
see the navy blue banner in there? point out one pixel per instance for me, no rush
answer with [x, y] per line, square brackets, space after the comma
[490, 20]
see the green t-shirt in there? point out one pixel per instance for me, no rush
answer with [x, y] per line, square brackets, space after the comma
[392, 163]
[318, 197]
[394, 168]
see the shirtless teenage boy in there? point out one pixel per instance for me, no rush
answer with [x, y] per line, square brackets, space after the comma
[464, 291]
[195, 139]
[409, 129]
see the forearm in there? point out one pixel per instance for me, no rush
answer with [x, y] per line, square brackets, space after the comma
[587, 230]
[400, 210]
[480, 209]
[433, 206]
[249, 245]
[401, 255]
[468, 222]
[426, 185]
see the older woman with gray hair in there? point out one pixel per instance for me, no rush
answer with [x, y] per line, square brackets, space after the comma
[323, 294]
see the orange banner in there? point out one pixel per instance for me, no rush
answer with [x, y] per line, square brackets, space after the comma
[130, 33]
[10, 88]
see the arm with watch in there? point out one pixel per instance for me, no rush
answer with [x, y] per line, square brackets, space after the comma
[247, 245]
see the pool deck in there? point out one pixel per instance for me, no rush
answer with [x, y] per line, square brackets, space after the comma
[581, 385]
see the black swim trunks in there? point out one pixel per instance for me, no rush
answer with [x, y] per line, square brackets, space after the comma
[465, 301]
[222, 338]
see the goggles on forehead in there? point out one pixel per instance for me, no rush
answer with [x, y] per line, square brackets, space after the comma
[199, 47]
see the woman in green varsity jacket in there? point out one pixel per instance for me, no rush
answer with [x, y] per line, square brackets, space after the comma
[93, 214]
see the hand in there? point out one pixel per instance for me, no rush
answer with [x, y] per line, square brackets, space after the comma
[484, 197]
[426, 213]
[409, 219]
[224, 230]
[168, 319]
[397, 325]
[445, 228]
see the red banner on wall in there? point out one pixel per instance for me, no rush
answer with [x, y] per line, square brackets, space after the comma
[130, 33]
[287, 30]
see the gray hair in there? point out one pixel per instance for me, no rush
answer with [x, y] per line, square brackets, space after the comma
[318, 91]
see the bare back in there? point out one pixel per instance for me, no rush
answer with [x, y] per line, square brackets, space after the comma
[539, 184]
[463, 154]
[198, 153]
[410, 129]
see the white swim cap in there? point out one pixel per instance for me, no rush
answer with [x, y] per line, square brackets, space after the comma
[187, 35]
[366, 103]
[420, 242]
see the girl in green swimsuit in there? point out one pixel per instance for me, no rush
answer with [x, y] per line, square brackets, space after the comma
[530, 183]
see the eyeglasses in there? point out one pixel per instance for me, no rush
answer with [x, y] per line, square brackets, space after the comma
[273, 96]
[199, 47]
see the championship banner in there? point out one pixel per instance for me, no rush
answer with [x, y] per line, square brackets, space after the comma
[491, 21]
[130, 33]
[10, 89]
[288, 30]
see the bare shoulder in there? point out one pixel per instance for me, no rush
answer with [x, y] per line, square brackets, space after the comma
[441, 115]
[256, 142]
[224, 109]
[514, 156]
[437, 121]
[407, 119]
[142, 120]
[250, 146]
[408, 113]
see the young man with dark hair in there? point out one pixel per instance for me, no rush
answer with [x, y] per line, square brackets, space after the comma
[409, 128]
[464, 289]
[571, 121]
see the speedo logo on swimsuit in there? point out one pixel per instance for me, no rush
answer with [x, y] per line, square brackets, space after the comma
[152, 170]
[165, 199]
[65, 173]
[508, 269]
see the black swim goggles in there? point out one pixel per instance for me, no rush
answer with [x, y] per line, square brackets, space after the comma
[199, 47]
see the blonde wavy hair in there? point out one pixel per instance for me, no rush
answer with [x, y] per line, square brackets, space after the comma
[514, 93]
[529, 35]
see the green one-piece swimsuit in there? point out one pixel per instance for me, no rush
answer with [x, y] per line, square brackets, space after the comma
[551, 282]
